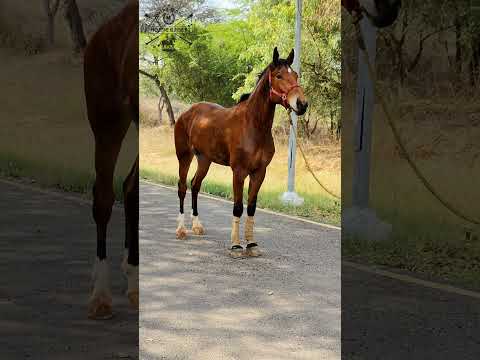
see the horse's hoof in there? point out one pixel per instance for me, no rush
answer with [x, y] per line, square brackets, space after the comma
[100, 308]
[133, 299]
[198, 230]
[252, 251]
[236, 252]
[181, 233]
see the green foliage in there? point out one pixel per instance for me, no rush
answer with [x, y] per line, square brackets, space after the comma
[218, 62]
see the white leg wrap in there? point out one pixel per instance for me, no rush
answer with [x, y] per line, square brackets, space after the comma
[181, 221]
[235, 231]
[132, 278]
[101, 279]
[197, 226]
[195, 221]
[249, 224]
[181, 231]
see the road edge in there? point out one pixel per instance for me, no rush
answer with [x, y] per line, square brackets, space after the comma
[208, 196]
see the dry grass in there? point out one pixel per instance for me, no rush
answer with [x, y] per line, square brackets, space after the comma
[157, 153]
[442, 140]
[441, 135]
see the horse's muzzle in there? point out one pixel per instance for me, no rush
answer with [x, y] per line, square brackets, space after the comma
[301, 107]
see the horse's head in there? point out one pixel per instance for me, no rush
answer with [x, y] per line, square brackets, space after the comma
[284, 88]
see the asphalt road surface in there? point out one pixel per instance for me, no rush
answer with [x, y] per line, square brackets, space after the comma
[48, 249]
[385, 318]
[198, 303]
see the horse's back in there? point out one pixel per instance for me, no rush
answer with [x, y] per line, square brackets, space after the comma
[199, 111]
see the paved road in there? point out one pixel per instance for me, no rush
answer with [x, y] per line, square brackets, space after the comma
[387, 319]
[197, 303]
[45, 261]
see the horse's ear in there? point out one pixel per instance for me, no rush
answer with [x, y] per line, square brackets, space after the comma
[290, 57]
[276, 56]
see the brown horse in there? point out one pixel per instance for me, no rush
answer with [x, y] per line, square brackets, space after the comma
[111, 93]
[239, 137]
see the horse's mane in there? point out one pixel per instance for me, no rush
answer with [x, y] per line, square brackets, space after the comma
[281, 62]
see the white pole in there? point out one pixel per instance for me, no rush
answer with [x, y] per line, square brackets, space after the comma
[360, 221]
[291, 197]
[363, 117]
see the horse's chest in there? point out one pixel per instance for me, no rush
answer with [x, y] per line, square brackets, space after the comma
[257, 158]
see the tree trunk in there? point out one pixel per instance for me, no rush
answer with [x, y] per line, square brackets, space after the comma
[161, 104]
[171, 116]
[339, 128]
[458, 46]
[74, 21]
[332, 124]
[51, 12]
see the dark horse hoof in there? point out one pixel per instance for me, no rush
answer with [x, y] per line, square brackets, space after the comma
[236, 251]
[252, 250]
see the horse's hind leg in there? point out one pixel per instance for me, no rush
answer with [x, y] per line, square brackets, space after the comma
[256, 180]
[131, 259]
[184, 161]
[202, 170]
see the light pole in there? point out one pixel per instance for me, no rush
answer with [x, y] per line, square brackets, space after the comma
[291, 197]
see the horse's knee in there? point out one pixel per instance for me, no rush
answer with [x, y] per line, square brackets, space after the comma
[182, 189]
[238, 209]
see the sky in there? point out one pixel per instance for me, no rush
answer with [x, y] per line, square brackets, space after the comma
[225, 4]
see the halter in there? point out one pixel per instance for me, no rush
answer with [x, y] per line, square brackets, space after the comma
[283, 95]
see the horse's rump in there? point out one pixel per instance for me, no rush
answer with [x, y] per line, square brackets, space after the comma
[111, 63]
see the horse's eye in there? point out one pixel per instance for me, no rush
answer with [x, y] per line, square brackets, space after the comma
[279, 77]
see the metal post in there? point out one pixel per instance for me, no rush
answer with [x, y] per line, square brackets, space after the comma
[360, 221]
[363, 118]
[291, 197]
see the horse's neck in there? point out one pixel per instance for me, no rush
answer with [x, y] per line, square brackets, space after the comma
[260, 108]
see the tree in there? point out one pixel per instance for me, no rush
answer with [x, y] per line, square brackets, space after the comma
[163, 99]
[75, 24]
[51, 8]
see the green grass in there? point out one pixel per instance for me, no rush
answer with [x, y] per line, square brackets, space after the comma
[443, 253]
[316, 208]
[53, 176]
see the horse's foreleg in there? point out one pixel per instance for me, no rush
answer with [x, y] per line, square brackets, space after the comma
[106, 153]
[238, 181]
[202, 170]
[184, 164]
[131, 257]
[256, 180]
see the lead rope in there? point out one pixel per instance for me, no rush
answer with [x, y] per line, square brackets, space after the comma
[307, 163]
[397, 137]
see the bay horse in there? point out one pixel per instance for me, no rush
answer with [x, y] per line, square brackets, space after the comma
[239, 137]
[382, 13]
[111, 94]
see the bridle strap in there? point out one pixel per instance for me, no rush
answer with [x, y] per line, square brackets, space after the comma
[283, 95]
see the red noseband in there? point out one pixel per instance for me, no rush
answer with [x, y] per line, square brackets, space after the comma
[282, 95]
